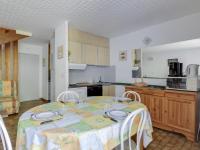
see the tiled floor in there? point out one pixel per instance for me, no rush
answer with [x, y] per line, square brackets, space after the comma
[12, 121]
[163, 140]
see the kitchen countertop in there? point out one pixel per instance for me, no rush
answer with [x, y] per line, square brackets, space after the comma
[110, 83]
[98, 83]
[123, 84]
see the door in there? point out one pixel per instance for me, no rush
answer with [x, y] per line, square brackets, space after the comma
[181, 114]
[75, 51]
[154, 105]
[28, 77]
[156, 108]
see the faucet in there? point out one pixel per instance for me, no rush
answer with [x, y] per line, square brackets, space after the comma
[100, 79]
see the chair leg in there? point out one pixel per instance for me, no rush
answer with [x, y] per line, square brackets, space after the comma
[198, 132]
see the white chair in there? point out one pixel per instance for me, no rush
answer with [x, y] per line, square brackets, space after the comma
[4, 136]
[132, 93]
[127, 126]
[68, 96]
[198, 132]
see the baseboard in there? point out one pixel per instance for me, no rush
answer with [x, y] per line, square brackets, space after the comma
[44, 100]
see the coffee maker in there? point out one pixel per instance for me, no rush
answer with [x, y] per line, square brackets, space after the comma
[175, 69]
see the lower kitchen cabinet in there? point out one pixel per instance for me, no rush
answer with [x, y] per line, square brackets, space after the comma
[156, 108]
[109, 90]
[181, 114]
[154, 104]
[172, 110]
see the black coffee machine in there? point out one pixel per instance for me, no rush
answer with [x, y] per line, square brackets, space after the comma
[175, 69]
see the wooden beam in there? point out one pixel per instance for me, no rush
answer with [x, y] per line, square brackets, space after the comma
[8, 35]
[15, 57]
[0, 62]
[7, 61]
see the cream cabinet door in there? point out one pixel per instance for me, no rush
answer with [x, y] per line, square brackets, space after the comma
[112, 90]
[109, 90]
[75, 50]
[89, 54]
[105, 90]
[103, 56]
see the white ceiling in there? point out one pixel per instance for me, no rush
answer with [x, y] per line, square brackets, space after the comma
[108, 18]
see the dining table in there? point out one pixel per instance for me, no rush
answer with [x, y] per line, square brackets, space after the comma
[78, 126]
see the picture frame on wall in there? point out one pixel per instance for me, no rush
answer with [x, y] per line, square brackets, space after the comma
[123, 55]
[60, 52]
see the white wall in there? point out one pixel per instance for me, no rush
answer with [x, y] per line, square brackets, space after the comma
[45, 72]
[92, 74]
[182, 29]
[25, 48]
[61, 65]
[52, 45]
[157, 66]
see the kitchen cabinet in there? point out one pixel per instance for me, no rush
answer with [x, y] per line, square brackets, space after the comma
[108, 90]
[88, 48]
[89, 54]
[181, 112]
[154, 104]
[156, 108]
[103, 56]
[75, 52]
[171, 110]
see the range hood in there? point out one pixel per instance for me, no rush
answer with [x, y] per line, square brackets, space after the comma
[73, 66]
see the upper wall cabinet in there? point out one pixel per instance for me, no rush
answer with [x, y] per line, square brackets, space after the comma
[75, 52]
[90, 54]
[103, 56]
[88, 48]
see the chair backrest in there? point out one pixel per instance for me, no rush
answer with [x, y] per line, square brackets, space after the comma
[4, 136]
[68, 96]
[127, 126]
[132, 93]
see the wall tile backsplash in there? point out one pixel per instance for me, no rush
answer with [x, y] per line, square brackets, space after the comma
[92, 74]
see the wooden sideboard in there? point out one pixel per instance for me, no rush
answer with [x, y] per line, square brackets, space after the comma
[171, 110]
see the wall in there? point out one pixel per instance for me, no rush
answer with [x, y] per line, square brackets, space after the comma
[182, 29]
[25, 48]
[157, 66]
[52, 88]
[45, 72]
[92, 74]
[61, 65]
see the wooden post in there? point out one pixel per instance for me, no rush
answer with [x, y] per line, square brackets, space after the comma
[0, 62]
[15, 57]
[7, 61]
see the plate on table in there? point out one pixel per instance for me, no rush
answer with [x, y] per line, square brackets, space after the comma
[117, 114]
[43, 116]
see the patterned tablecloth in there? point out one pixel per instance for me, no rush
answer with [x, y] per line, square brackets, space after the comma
[83, 126]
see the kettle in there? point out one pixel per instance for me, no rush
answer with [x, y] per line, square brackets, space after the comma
[192, 70]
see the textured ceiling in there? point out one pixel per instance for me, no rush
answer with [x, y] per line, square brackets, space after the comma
[108, 18]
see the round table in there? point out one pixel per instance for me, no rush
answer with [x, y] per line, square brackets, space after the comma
[81, 126]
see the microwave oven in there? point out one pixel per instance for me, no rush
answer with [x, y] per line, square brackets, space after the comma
[184, 83]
